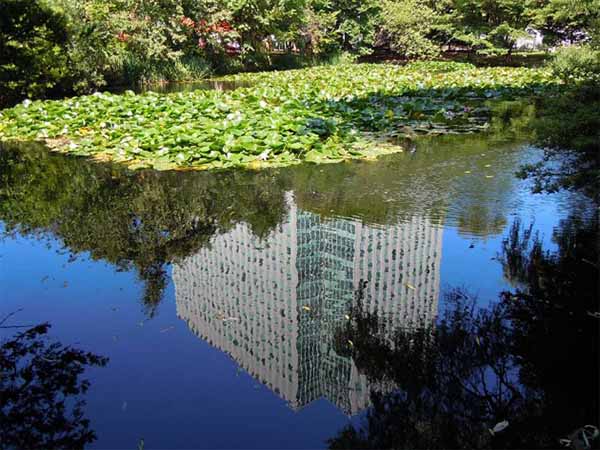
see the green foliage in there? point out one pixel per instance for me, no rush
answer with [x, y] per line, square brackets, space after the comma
[317, 33]
[322, 114]
[491, 27]
[80, 46]
[579, 64]
[570, 20]
[568, 128]
[144, 220]
[32, 56]
[342, 25]
[125, 41]
[408, 25]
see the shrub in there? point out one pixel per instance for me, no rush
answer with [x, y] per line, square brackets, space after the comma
[32, 56]
[406, 26]
[123, 42]
[577, 64]
[137, 71]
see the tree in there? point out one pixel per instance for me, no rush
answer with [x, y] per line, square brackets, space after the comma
[407, 26]
[491, 26]
[567, 20]
[33, 60]
[352, 24]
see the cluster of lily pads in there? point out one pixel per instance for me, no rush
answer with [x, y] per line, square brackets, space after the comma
[319, 114]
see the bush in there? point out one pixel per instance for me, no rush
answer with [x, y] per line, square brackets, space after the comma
[32, 56]
[116, 42]
[406, 26]
[577, 64]
[138, 71]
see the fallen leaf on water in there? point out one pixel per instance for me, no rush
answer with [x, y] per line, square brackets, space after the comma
[350, 343]
[410, 286]
[489, 176]
[467, 171]
[488, 165]
[347, 317]
[499, 427]
[306, 308]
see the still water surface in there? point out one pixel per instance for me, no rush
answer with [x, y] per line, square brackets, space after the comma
[217, 296]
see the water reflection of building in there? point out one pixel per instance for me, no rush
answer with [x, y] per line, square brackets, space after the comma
[273, 305]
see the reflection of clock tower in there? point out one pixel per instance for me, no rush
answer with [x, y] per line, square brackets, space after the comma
[273, 305]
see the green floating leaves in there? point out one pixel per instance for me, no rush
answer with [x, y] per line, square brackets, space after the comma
[321, 114]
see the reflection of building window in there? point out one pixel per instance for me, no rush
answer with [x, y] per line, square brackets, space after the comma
[321, 266]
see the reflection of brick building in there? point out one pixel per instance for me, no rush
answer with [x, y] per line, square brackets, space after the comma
[274, 304]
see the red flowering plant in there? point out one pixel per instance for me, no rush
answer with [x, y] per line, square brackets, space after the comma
[188, 23]
[212, 38]
[122, 36]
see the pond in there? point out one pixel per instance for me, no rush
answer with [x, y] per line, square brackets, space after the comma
[226, 302]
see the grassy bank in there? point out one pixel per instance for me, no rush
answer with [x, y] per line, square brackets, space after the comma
[320, 114]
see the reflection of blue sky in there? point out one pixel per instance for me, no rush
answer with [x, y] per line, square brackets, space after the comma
[179, 391]
[173, 389]
[476, 268]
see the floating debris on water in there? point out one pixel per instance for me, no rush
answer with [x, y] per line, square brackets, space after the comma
[500, 426]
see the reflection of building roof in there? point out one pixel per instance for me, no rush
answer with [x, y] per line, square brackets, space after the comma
[274, 305]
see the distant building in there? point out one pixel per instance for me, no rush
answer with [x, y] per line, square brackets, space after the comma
[273, 305]
[533, 41]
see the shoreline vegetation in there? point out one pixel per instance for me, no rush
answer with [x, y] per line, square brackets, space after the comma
[321, 114]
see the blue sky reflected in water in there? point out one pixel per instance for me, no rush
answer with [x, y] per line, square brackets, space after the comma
[168, 386]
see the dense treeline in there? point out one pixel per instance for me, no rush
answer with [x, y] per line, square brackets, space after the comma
[76, 46]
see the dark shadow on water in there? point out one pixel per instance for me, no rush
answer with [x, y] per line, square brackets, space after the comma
[41, 390]
[521, 373]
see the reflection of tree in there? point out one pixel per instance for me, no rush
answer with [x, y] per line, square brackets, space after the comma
[555, 335]
[428, 182]
[40, 389]
[567, 126]
[140, 220]
[530, 359]
[146, 220]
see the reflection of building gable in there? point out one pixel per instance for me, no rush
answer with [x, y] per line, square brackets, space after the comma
[274, 305]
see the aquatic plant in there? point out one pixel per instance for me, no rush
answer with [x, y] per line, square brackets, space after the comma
[320, 114]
